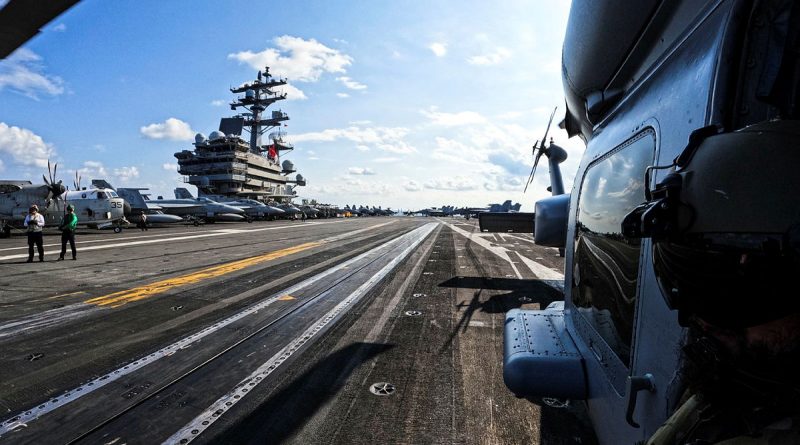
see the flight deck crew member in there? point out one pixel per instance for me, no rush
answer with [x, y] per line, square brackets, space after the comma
[303, 216]
[67, 227]
[143, 221]
[34, 223]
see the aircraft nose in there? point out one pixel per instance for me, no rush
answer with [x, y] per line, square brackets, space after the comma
[126, 208]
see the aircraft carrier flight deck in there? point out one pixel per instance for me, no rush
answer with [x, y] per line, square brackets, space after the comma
[346, 331]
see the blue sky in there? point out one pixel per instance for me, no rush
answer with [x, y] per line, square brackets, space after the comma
[403, 104]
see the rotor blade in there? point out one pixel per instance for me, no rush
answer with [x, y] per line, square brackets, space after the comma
[533, 171]
[548, 126]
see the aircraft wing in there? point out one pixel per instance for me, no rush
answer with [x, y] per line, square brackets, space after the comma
[20, 20]
[9, 188]
[163, 206]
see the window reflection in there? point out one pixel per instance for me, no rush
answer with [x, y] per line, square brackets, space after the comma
[606, 264]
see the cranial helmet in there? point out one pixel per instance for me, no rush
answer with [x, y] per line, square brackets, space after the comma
[725, 226]
[70, 208]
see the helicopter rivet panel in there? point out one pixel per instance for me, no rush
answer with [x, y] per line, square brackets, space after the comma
[539, 358]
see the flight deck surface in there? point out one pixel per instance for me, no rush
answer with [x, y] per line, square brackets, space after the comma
[363, 330]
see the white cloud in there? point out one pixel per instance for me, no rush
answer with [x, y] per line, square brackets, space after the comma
[342, 95]
[93, 170]
[169, 167]
[412, 186]
[292, 92]
[386, 160]
[493, 58]
[60, 27]
[360, 171]
[361, 123]
[361, 147]
[458, 183]
[218, 102]
[22, 72]
[389, 139]
[440, 49]
[351, 84]
[172, 129]
[24, 146]
[453, 119]
[510, 115]
[125, 174]
[2, 167]
[456, 152]
[350, 186]
[297, 59]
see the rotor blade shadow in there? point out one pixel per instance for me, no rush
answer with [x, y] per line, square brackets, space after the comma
[521, 292]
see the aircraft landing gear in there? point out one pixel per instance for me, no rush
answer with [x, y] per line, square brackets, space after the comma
[117, 229]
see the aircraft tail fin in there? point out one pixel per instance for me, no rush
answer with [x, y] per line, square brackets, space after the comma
[133, 197]
[182, 193]
[101, 184]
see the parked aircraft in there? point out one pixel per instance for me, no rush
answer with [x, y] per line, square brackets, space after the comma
[97, 208]
[680, 230]
[253, 209]
[201, 209]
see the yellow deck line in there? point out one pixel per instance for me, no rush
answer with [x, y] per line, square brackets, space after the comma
[120, 298]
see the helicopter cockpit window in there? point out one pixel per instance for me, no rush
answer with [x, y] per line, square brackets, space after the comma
[606, 263]
[101, 195]
[113, 194]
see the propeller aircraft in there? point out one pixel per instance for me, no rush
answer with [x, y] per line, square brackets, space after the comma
[96, 208]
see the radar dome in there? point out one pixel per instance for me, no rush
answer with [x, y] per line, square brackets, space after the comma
[300, 178]
[250, 93]
[216, 135]
[199, 138]
[288, 166]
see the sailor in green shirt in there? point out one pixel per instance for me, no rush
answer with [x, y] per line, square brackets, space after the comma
[67, 226]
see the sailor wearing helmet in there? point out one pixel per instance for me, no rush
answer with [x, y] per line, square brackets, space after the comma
[67, 226]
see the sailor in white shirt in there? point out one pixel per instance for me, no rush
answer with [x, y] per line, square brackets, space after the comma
[34, 223]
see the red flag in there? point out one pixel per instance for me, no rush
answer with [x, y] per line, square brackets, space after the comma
[272, 153]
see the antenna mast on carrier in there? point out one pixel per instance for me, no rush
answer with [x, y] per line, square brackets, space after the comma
[258, 96]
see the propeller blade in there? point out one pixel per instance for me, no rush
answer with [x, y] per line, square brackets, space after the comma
[550, 122]
[533, 171]
[55, 170]
[45, 179]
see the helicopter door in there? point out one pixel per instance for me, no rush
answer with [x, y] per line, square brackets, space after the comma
[605, 268]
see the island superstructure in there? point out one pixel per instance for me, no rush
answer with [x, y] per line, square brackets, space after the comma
[226, 165]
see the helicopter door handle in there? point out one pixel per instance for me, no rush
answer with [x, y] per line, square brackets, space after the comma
[636, 384]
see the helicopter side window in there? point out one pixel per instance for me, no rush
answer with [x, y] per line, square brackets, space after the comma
[101, 195]
[606, 263]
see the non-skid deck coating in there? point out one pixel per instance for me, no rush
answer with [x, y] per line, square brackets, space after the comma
[274, 332]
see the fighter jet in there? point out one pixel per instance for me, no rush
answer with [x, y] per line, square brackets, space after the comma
[200, 209]
[253, 209]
